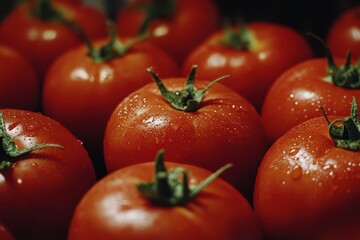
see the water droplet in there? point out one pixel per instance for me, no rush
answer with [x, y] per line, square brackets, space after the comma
[296, 172]
[293, 151]
[30, 127]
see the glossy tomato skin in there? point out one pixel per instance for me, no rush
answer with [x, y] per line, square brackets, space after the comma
[306, 188]
[298, 95]
[343, 35]
[40, 191]
[191, 23]
[90, 91]
[226, 128]
[42, 41]
[20, 86]
[273, 49]
[114, 209]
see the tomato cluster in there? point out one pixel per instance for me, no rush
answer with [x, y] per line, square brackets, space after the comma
[261, 136]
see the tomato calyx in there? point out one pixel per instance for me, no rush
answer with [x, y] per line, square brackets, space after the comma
[190, 97]
[346, 76]
[9, 148]
[167, 188]
[114, 47]
[347, 134]
[239, 39]
[158, 9]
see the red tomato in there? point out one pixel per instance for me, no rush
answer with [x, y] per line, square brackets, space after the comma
[189, 23]
[344, 34]
[20, 86]
[298, 94]
[268, 50]
[90, 90]
[114, 208]
[225, 128]
[41, 41]
[40, 189]
[5, 234]
[307, 188]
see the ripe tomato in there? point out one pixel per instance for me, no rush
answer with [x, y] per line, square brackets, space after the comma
[344, 34]
[298, 94]
[306, 187]
[40, 189]
[5, 234]
[253, 55]
[176, 25]
[225, 128]
[20, 86]
[90, 88]
[115, 208]
[42, 40]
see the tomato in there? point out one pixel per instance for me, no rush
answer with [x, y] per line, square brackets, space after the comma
[90, 88]
[308, 184]
[42, 40]
[177, 26]
[223, 127]
[344, 34]
[5, 234]
[20, 86]
[253, 55]
[116, 208]
[40, 189]
[298, 94]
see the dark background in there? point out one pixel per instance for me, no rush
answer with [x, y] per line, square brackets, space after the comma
[304, 16]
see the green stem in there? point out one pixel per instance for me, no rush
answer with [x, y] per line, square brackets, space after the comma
[239, 38]
[11, 150]
[45, 11]
[345, 133]
[345, 76]
[190, 97]
[114, 47]
[168, 189]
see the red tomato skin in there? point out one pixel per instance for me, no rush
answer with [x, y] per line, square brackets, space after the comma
[5, 233]
[20, 86]
[114, 208]
[192, 22]
[344, 34]
[251, 72]
[40, 41]
[89, 91]
[298, 95]
[226, 128]
[306, 188]
[40, 192]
